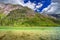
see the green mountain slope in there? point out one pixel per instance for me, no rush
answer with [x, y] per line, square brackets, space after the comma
[26, 17]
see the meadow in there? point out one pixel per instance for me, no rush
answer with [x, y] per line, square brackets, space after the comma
[29, 35]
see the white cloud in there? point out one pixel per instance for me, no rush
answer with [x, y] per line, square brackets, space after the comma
[38, 6]
[51, 8]
[21, 2]
[30, 5]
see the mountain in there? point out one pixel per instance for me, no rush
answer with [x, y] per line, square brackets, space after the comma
[57, 16]
[6, 8]
[17, 15]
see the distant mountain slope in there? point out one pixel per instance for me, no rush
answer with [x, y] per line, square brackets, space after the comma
[6, 8]
[57, 16]
[25, 17]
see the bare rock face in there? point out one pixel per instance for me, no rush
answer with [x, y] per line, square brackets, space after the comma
[6, 8]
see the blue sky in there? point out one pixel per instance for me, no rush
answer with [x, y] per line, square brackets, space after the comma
[45, 3]
[42, 6]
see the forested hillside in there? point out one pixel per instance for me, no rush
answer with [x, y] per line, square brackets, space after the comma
[26, 17]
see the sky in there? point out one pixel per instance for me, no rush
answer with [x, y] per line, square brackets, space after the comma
[41, 6]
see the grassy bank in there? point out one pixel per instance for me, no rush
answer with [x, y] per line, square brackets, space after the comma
[29, 28]
[29, 35]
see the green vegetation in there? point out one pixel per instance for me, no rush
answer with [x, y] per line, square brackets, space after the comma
[26, 17]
